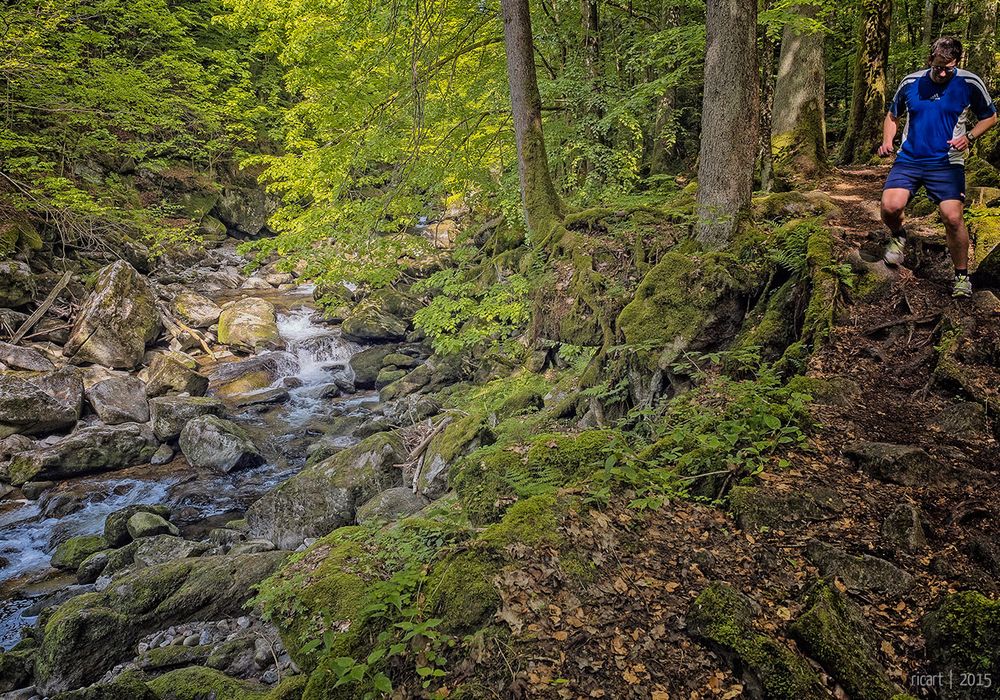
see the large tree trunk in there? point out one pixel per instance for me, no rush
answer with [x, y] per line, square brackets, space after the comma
[542, 205]
[798, 127]
[982, 40]
[868, 97]
[765, 157]
[729, 120]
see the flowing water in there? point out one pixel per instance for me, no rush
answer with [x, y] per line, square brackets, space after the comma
[315, 358]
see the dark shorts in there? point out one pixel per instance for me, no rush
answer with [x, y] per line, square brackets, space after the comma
[942, 182]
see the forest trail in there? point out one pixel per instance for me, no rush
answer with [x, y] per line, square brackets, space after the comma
[882, 383]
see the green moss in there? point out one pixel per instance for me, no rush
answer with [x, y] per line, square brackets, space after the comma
[195, 682]
[771, 327]
[963, 635]
[979, 173]
[723, 618]
[71, 553]
[127, 686]
[985, 233]
[15, 669]
[834, 632]
[533, 521]
[781, 206]
[173, 656]
[461, 592]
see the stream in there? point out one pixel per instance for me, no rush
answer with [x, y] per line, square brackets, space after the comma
[315, 354]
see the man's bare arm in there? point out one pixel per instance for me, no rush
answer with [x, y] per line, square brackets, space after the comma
[889, 127]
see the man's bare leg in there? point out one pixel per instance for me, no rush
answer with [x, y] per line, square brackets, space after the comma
[958, 234]
[894, 201]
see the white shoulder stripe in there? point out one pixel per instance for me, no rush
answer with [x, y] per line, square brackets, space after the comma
[974, 79]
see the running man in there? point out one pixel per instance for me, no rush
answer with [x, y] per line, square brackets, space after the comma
[936, 102]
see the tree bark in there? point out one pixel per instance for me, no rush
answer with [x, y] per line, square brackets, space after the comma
[542, 206]
[868, 96]
[729, 121]
[798, 127]
[661, 141]
[982, 40]
[765, 157]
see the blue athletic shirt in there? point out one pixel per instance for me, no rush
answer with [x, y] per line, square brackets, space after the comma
[935, 114]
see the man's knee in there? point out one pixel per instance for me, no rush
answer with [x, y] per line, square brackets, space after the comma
[892, 209]
[951, 216]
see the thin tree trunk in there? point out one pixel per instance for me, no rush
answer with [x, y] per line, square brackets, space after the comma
[590, 35]
[798, 131]
[981, 53]
[729, 120]
[663, 142]
[766, 155]
[542, 206]
[927, 32]
[868, 97]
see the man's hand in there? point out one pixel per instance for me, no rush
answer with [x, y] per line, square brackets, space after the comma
[885, 149]
[959, 144]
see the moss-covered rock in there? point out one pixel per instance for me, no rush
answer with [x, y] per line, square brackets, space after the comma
[219, 445]
[980, 173]
[17, 284]
[985, 232]
[144, 523]
[39, 402]
[862, 573]
[169, 414]
[371, 322]
[828, 391]
[116, 524]
[459, 438]
[198, 682]
[833, 631]
[392, 504]
[249, 324]
[755, 508]
[15, 669]
[963, 637]
[174, 373]
[92, 632]
[71, 553]
[326, 495]
[116, 321]
[367, 363]
[127, 686]
[723, 618]
[781, 206]
[198, 311]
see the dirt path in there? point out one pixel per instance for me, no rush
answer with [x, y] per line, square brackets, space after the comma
[621, 632]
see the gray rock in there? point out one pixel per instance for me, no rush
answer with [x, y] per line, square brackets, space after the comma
[755, 508]
[252, 374]
[252, 547]
[370, 322]
[17, 283]
[367, 363]
[14, 444]
[169, 414]
[17, 357]
[196, 310]
[863, 573]
[219, 445]
[965, 420]
[255, 283]
[174, 372]
[145, 524]
[260, 397]
[903, 529]
[96, 448]
[92, 567]
[119, 400]
[249, 324]
[163, 455]
[390, 505]
[151, 551]
[116, 525]
[325, 496]
[116, 321]
[897, 464]
[33, 403]
[245, 210]
[32, 490]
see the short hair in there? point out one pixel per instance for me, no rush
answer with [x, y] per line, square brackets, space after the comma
[947, 47]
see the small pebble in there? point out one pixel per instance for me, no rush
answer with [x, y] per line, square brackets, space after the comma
[155, 640]
[243, 622]
[143, 647]
[270, 676]
[205, 637]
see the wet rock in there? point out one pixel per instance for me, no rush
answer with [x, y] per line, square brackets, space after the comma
[92, 567]
[897, 464]
[32, 490]
[219, 445]
[116, 525]
[159, 549]
[255, 283]
[169, 414]
[116, 321]
[164, 453]
[174, 372]
[249, 324]
[225, 536]
[254, 373]
[370, 322]
[367, 363]
[387, 376]
[723, 618]
[58, 503]
[17, 357]
[71, 553]
[33, 403]
[17, 283]
[965, 420]
[145, 524]
[259, 397]
[390, 505]
[277, 279]
[119, 400]
[400, 361]
[15, 671]
[325, 496]
[963, 637]
[833, 630]
[755, 508]
[903, 529]
[96, 448]
[196, 310]
[114, 620]
[863, 573]
[411, 409]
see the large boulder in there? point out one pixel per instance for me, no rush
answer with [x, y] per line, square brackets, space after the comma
[17, 357]
[391, 505]
[33, 403]
[119, 400]
[17, 284]
[371, 322]
[71, 553]
[116, 321]
[233, 379]
[196, 310]
[169, 414]
[219, 445]
[88, 635]
[864, 573]
[159, 549]
[116, 525]
[326, 495]
[174, 372]
[905, 465]
[146, 524]
[96, 448]
[249, 324]
[244, 210]
[367, 363]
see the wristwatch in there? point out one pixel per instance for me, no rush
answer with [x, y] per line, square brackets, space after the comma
[969, 137]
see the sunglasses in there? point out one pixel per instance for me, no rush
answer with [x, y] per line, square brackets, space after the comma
[944, 70]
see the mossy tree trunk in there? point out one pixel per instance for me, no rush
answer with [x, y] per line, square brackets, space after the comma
[982, 40]
[663, 136]
[868, 96]
[729, 121]
[798, 128]
[766, 156]
[542, 205]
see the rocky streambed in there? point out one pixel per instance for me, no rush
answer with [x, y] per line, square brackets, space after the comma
[161, 438]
